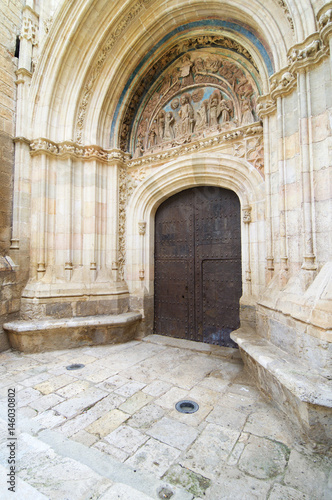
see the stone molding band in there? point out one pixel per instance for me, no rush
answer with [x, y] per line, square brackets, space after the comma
[301, 56]
[71, 149]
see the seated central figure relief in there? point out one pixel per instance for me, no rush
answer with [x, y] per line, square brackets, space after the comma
[200, 94]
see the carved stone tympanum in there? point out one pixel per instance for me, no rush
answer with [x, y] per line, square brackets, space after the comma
[203, 92]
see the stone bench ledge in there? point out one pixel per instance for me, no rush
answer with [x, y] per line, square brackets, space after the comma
[66, 333]
[307, 386]
[20, 326]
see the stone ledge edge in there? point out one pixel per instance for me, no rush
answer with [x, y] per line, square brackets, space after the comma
[312, 388]
[22, 326]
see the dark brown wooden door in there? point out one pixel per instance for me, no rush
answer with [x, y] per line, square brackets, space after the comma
[198, 265]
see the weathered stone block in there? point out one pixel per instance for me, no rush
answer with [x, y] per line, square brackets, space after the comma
[59, 310]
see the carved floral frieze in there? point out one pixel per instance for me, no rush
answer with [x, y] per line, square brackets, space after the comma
[244, 142]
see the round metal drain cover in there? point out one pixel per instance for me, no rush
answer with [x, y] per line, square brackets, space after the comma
[75, 366]
[187, 406]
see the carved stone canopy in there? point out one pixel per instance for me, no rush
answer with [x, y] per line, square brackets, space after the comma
[212, 71]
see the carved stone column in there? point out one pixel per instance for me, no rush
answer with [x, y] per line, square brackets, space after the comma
[142, 231]
[246, 217]
[306, 167]
[282, 194]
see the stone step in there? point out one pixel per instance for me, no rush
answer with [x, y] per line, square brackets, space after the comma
[215, 350]
[51, 466]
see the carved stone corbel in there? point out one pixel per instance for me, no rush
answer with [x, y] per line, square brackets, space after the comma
[246, 214]
[311, 51]
[142, 228]
[30, 26]
[282, 84]
[324, 19]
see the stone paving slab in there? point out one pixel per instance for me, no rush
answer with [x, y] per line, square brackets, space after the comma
[174, 433]
[117, 418]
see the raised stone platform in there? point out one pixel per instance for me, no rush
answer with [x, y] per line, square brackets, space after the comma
[304, 395]
[64, 333]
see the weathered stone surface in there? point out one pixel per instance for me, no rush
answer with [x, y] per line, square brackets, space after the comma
[53, 384]
[211, 448]
[192, 482]
[174, 433]
[232, 483]
[227, 417]
[123, 492]
[146, 417]
[80, 402]
[22, 490]
[310, 475]
[56, 476]
[136, 402]
[129, 389]
[107, 423]
[263, 458]
[280, 492]
[126, 438]
[271, 424]
[171, 397]
[154, 457]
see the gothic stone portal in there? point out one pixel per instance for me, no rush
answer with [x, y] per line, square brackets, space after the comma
[198, 265]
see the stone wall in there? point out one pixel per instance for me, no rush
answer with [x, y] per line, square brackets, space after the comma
[10, 22]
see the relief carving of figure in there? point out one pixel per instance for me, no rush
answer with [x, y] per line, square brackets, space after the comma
[185, 71]
[202, 115]
[161, 125]
[247, 116]
[226, 110]
[169, 126]
[153, 134]
[212, 64]
[199, 65]
[139, 150]
[185, 67]
[214, 109]
[186, 114]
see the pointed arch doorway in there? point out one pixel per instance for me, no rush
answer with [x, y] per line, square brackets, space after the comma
[198, 277]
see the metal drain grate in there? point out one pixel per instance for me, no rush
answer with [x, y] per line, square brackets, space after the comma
[186, 406]
[75, 366]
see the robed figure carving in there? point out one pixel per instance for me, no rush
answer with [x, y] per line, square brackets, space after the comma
[187, 116]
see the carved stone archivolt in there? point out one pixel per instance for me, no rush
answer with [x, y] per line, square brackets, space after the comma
[97, 67]
[324, 19]
[285, 8]
[200, 94]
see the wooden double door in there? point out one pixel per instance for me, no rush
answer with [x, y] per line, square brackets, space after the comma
[198, 278]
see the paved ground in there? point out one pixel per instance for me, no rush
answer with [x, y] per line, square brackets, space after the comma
[110, 430]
